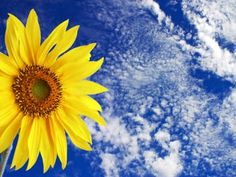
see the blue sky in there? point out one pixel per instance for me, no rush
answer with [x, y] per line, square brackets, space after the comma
[170, 67]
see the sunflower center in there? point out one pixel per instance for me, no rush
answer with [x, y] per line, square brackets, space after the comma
[37, 91]
[40, 89]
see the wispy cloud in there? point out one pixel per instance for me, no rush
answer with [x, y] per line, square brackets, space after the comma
[157, 114]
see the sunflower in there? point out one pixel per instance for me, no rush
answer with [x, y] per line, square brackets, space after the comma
[44, 92]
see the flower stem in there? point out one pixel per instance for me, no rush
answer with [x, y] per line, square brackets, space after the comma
[3, 161]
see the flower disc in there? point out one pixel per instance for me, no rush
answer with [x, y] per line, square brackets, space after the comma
[37, 91]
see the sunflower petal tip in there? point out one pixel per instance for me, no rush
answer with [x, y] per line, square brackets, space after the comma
[45, 169]
[103, 123]
[63, 166]
[33, 14]
[12, 166]
[92, 45]
[65, 24]
[32, 11]
[28, 168]
[76, 27]
[9, 14]
[30, 165]
[101, 61]
[67, 21]
[10, 18]
[17, 168]
[106, 89]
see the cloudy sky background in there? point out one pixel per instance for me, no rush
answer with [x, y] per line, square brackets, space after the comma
[171, 70]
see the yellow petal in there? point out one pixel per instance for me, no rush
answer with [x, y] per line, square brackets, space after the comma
[64, 44]
[21, 153]
[7, 115]
[24, 50]
[83, 110]
[84, 87]
[77, 55]
[12, 41]
[6, 83]
[90, 103]
[54, 37]
[10, 133]
[33, 33]
[34, 141]
[45, 147]
[87, 101]
[75, 137]
[7, 66]
[72, 73]
[75, 124]
[60, 140]
[77, 141]
[7, 98]
[53, 152]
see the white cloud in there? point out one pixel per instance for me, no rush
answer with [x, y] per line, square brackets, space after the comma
[140, 72]
[119, 137]
[153, 77]
[131, 142]
[169, 166]
[227, 112]
[211, 18]
[220, 16]
[163, 137]
[155, 8]
[109, 165]
[193, 106]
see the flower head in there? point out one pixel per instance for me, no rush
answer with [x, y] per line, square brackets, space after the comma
[44, 92]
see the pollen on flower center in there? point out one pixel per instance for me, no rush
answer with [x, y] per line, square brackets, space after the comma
[37, 91]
